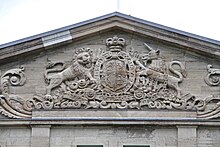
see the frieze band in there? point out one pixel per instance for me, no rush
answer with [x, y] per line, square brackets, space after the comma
[115, 79]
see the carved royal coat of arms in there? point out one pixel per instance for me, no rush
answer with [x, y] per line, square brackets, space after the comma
[114, 79]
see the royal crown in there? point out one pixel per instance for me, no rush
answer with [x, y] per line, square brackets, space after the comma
[115, 43]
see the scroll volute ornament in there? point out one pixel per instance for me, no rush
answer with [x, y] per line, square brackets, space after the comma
[13, 106]
[212, 78]
[13, 77]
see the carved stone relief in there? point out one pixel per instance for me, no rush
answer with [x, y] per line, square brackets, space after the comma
[211, 107]
[115, 79]
[212, 78]
[13, 106]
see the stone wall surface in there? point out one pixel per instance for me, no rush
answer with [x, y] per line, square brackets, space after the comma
[110, 136]
[15, 136]
[114, 136]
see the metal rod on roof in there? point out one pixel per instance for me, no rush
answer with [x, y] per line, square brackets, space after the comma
[118, 5]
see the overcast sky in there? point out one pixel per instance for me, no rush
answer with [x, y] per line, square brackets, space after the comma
[24, 18]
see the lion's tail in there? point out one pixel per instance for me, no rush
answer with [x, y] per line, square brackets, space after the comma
[182, 74]
[51, 69]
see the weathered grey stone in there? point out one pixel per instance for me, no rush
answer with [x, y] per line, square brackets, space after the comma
[187, 136]
[40, 136]
[136, 114]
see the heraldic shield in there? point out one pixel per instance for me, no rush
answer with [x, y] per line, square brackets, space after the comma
[116, 72]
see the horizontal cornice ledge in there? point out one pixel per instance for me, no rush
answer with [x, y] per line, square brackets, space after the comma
[110, 121]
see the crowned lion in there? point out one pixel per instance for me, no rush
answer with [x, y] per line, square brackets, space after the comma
[79, 69]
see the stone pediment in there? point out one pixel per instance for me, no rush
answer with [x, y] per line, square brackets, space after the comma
[114, 62]
[112, 21]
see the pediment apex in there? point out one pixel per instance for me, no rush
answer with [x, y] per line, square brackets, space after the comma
[117, 21]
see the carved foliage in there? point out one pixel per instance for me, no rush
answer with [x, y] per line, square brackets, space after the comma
[13, 106]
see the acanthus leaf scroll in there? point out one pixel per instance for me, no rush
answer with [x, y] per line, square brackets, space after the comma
[13, 106]
[212, 78]
[210, 107]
